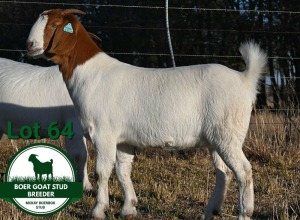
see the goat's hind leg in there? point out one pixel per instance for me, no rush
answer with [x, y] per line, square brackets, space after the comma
[235, 159]
[223, 178]
[125, 155]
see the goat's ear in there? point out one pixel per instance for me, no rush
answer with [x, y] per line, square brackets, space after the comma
[64, 38]
[72, 11]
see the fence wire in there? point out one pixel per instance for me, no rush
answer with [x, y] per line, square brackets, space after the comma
[166, 54]
[153, 7]
[174, 29]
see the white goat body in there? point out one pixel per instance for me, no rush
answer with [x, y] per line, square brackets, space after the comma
[120, 106]
[183, 107]
[202, 105]
[27, 96]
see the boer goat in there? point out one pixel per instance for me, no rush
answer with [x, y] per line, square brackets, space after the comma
[41, 168]
[30, 94]
[120, 106]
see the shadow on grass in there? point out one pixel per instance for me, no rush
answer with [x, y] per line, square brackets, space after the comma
[260, 216]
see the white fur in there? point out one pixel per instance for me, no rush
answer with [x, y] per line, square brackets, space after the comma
[37, 33]
[120, 106]
[30, 94]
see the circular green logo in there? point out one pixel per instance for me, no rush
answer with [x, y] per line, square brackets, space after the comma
[40, 180]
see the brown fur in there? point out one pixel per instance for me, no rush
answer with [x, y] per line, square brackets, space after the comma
[68, 50]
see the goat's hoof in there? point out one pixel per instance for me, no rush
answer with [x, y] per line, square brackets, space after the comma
[128, 217]
[87, 186]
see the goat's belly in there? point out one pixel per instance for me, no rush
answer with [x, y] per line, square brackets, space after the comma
[167, 142]
[172, 144]
[180, 132]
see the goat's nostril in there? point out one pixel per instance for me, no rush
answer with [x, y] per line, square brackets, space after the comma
[29, 44]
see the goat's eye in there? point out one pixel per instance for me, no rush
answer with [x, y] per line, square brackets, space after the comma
[52, 26]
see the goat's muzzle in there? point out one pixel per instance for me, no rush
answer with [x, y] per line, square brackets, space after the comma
[32, 51]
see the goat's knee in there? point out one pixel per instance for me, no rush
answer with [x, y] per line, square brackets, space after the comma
[102, 203]
[105, 160]
[125, 155]
[235, 159]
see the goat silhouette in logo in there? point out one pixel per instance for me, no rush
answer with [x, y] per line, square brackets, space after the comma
[41, 168]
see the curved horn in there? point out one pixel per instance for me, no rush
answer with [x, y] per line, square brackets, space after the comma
[73, 11]
[94, 36]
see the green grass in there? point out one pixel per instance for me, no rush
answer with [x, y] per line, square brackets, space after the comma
[177, 185]
[33, 180]
[23, 179]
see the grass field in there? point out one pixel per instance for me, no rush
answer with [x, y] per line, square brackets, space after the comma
[177, 185]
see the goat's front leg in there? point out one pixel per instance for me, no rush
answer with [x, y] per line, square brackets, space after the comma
[77, 149]
[105, 158]
[125, 155]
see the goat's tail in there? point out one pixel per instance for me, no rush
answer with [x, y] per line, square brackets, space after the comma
[256, 61]
[51, 161]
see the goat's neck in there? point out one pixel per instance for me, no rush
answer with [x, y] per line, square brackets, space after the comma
[84, 49]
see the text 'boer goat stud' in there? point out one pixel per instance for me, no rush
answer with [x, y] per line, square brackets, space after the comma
[120, 106]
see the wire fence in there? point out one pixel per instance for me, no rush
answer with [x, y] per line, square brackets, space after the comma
[285, 112]
[173, 29]
[275, 32]
[166, 54]
[152, 7]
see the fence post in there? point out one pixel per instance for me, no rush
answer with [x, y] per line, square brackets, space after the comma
[168, 33]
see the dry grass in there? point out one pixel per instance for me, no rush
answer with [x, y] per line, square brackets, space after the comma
[177, 185]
